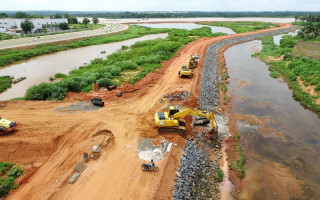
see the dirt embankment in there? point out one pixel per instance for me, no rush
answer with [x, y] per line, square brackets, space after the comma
[49, 143]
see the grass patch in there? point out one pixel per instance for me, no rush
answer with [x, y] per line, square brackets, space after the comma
[242, 27]
[86, 26]
[275, 74]
[4, 36]
[218, 175]
[5, 83]
[291, 67]
[142, 57]
[238, 162]
[9, 173]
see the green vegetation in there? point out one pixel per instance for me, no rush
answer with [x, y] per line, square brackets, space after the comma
[85, 21]
[242, 27]
[95, 20]
[4, 36]
[238, 164]
[27, 26]
[143, 57]
[218, 175]
[8, 173]
[86, 26]
[5, 83]
[275, 74]
[9, 56]
[293, 68]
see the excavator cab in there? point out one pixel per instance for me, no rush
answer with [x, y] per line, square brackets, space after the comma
[172, 110]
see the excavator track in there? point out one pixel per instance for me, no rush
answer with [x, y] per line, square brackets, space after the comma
[176, 129]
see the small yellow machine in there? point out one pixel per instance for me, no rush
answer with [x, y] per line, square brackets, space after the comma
[6, 126]
[185, 72]
[172, 121]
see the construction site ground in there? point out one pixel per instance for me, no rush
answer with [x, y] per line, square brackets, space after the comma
[48, 142]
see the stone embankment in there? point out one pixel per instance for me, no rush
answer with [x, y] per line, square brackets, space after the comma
[196, 170]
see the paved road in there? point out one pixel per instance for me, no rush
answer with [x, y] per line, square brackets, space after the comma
[109, 28]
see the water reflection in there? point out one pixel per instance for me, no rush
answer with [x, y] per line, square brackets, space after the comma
[189, 26]
[41, 68]
[277, 131]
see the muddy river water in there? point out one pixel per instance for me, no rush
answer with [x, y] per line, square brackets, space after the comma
[280, 137]
[41, 68]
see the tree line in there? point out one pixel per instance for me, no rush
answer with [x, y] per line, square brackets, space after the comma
[188, 14]
[310, 26]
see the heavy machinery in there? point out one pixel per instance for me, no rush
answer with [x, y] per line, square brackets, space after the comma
[172, 120]
[193, 61]
[6, 126]
[185, 72]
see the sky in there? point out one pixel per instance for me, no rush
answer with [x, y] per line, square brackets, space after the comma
[161, 5]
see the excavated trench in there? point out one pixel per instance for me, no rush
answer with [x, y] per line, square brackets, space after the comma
[196, 169]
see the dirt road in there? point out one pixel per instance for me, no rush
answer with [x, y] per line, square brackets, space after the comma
[49, 143]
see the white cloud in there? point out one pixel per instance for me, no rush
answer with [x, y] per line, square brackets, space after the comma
[161, 5]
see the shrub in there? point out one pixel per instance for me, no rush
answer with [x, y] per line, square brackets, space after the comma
[104, 82]
[218, 175]
[224, 88]
[39, 92]
[275, 74]
[59, 75]
[224, 76]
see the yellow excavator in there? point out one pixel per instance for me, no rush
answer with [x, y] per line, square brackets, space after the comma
[185, 72]
[193, 61]
[172, 120]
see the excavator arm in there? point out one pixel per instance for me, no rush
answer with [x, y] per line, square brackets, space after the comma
[185, 112]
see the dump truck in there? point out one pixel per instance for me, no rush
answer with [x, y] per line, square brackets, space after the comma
[6, 126]
[172, 120]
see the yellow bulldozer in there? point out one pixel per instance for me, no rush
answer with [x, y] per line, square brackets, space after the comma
[172, 120]
[185, 72]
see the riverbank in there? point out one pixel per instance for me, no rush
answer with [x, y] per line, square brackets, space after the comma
[299, 72]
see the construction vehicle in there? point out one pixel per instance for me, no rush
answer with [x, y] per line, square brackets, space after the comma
[193, 61]
[6, 126]
[185, 72]
[172, 120]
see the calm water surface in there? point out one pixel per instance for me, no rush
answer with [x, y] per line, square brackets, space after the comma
[41, 68]
[280, 137]
[189, 26]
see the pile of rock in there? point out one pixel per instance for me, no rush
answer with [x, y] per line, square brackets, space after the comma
[195, 172]
[177, 97]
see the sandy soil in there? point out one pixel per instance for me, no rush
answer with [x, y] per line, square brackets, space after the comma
[49, 143]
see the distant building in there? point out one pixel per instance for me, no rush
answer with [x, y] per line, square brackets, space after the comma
[12, 26]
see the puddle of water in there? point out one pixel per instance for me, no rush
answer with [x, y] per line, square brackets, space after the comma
[226, 186]
[78, 107]
[277, 38]
[189, 26]
[41, 68]
[291, 136]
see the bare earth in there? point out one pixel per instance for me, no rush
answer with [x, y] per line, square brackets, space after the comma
[48, 143]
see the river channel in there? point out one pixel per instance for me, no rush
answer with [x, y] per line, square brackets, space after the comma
[41, 68]
[280, 137]
[189, 26]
